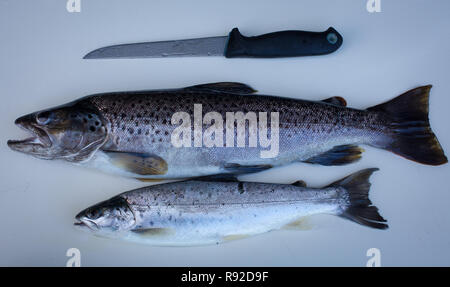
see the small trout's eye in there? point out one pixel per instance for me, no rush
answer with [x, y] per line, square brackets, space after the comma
[43, 118]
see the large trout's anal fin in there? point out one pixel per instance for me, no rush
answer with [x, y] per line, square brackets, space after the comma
[337, 101]
[412, 136]
[225, 87]
[356, 205]
[236, 168]
[339, 155]
[138, 163]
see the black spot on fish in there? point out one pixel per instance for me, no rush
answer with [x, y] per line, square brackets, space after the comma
[92, 128]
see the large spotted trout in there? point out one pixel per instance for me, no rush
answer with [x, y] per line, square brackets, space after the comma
[201, 212]
[223, 128]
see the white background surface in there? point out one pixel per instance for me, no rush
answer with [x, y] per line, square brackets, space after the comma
[383, 55]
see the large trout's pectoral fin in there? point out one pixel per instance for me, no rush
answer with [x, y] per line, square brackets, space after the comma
[226, 87]
[339, 155]
[242, 169]
[337, 101]
[138, 163]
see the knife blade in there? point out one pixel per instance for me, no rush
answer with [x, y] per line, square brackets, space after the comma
[272, 45]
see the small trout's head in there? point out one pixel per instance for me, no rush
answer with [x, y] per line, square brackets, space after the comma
[71, 132]
[110, 216]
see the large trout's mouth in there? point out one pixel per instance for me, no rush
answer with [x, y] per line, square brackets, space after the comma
[39, 140]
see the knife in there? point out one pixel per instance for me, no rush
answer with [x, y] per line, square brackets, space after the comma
[271, 45]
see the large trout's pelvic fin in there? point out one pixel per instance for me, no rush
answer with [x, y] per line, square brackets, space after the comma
[358, 207]
[225, 87]
[411, 132]
[339, 155]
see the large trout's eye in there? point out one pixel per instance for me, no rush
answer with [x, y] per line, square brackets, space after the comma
[43, 118]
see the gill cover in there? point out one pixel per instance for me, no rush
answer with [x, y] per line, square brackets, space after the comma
[72, 132]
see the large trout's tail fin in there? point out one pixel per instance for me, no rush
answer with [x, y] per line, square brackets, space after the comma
[356, 205]
[412, 134]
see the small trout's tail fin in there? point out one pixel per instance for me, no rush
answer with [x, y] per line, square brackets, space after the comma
[411, 131]
[356, 205]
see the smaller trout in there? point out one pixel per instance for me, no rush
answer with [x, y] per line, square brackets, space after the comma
[199, 212]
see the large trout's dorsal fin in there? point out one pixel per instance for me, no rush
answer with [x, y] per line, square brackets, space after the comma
[225, 87]
[337, 101]
[138, 163]
[339, 155]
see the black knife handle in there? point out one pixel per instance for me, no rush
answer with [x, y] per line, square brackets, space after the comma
[283, 44]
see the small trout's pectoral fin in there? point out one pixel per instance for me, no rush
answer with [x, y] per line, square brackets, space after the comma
[337, 101]
[138, 163]
[232, 237]
[152, 232]
[339, 155]
[299, 183]
[303, 223]
[226, 87]
[243, 169]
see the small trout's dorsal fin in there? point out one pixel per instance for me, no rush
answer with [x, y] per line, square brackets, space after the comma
[299, 183]
[226, 87]
[236, 168]
[221, 177]
[138, 163]
[337, 101]
[339, 155]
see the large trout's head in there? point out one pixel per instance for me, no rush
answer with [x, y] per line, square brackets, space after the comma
[72, 132]
[109, 216]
